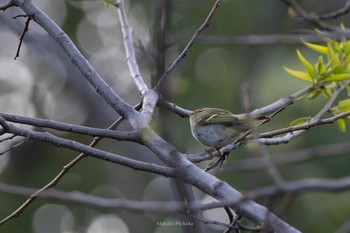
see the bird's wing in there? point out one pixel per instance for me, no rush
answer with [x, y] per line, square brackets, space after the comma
[215, 116]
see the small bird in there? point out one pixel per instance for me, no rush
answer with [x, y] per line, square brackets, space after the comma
[216, 127]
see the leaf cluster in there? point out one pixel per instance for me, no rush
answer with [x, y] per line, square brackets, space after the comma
[331, 70]
[337, 67]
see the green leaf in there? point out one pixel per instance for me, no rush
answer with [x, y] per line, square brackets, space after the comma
[312, 94]
[107, 2]
[337, 77]
[342, 26]
[333, 57]
[344, 102]
[299, 74]
[320, 66]
[310, 69]
[348, 90]
[347, 45]
[344, 105]
[347, 119]
[317, 48]
[327, 93]
[341, 125]
[299, 121]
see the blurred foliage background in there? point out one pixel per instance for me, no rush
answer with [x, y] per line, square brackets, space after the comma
[43, 83]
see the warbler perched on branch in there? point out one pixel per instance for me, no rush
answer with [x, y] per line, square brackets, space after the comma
[216, 127]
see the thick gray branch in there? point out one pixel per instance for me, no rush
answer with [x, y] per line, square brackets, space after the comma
[100, 154]
[102, 88]
[43, 123]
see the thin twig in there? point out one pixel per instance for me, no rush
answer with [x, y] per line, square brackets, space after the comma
[302, 186]
[8, 137]
[7, 5]
[129, 47]
[149, 97]
[72, 128]
[25, 30]
[185, 51]
[310, 17]
[264, 137]
[312, 121]
[291, 187]
[13, 146]
[331, 101]
[182, 112]
[335, 14]
[231, 219]
[261, 150]
[258, 40]
[294, 157]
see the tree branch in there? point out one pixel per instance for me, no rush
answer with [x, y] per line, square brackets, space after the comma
[101, 87]
[294, 157]
[305, 185]
[100, 154]
[7, 5]
[25, 30]
[129, 47]
[313, 18]
[149, 98]
[13, 145]
[272, 39]
[337, 13]
[305, 126]
[282, 102]
[60, 175]
[99, 202]
[300, 186]
[173, 108]
[313, 121]
[43, 123]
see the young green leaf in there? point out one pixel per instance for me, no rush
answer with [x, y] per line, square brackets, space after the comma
[320, 67]
[317, 48]
[342, 26]
[344, 105]
[341, 125]
[299, 74]
[327, 93]
[337, 77]
[346, 46]
[312, 94]
[299, 121]
[107, 2]
[310, 69]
